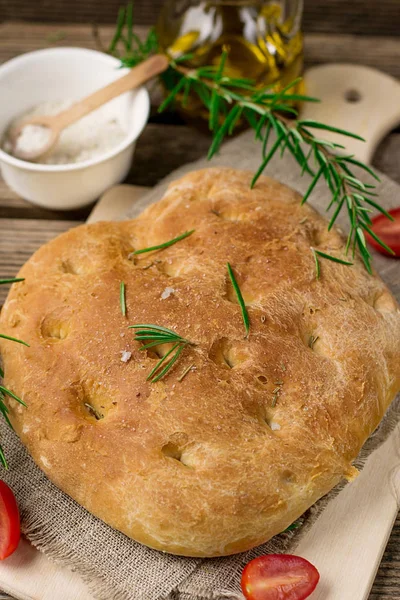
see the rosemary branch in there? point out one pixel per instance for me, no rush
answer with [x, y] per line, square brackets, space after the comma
[233, 100]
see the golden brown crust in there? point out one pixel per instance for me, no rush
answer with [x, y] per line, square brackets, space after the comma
[204, 466]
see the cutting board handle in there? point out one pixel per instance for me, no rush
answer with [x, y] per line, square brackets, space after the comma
[356, 98]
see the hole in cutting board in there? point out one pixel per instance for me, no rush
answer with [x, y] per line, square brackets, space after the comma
[352, 96]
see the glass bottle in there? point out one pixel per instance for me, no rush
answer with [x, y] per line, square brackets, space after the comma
[262, 39]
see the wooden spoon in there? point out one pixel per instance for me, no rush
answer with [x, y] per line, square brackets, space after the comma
[53, 125]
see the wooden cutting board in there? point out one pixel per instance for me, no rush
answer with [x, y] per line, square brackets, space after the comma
[346, 543]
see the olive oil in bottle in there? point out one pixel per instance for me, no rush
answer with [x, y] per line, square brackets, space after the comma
[262, 40]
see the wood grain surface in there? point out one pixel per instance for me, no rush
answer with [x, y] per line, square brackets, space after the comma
[371, 17]
[168, 143]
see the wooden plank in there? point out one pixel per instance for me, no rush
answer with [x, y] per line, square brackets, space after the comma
[19, 238]
[375, 51]
[371, 17]
[372, 51]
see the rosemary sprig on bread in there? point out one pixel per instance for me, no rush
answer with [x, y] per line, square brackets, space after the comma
[231, 101]
[154, 336]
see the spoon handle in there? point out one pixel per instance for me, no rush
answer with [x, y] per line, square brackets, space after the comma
[143, 72]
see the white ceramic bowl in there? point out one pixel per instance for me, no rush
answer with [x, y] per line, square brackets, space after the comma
[58, 74]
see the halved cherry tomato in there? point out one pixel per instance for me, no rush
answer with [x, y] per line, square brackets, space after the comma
[10, 532]
[388, 231]
[279, 577]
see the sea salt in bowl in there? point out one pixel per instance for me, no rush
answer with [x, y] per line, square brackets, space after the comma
[54, 76]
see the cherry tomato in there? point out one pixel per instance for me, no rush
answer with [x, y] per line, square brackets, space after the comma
[279, 577]
[388, 231]
[9, 522]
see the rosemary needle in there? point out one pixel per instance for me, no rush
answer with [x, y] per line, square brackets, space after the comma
[122, 298]
[318, 253]
[312, 340]
[7, 392]
[185, 372]
[239, 296]
[11, 280]
[12, 339]
[292, 527]
[98, 416]
[165, 244]
[3, 458]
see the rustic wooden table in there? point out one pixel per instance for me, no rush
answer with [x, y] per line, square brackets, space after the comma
[166, 144]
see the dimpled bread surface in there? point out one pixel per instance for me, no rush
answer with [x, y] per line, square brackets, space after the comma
[259, 428]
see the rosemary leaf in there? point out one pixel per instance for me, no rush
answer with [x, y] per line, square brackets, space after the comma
[4, 411]
[186, 91]
[250, 118]
[363, 166]
[12, 280]
[239, 296]
[171, 97]
[318, 253]
[266, 161]
[312, 185]
[337, 211]
[98, 416]
[122, 298]
[12, 395]
[292, 527]
[157, 342]
[118, 32]
[170, 364]
[317, 266]
[223, 131]
[12, 339]
[312, 340]
[165, 244]
[334, 199]
[378, 207]
[3, 459]
[149, 327]
[185, 372]
[377, 239]
[129, 24]
[317, 125]
[266, 138]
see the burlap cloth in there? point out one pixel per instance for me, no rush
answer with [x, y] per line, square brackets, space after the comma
[114, 566]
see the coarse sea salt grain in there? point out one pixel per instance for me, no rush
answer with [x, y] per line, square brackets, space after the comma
[125, 355]
[94, 135]
[275, 426]
[167, 292]
[32, 138]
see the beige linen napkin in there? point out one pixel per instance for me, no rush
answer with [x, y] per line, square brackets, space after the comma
[114, 566]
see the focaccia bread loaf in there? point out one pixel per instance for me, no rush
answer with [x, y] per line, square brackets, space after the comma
[261, 427]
